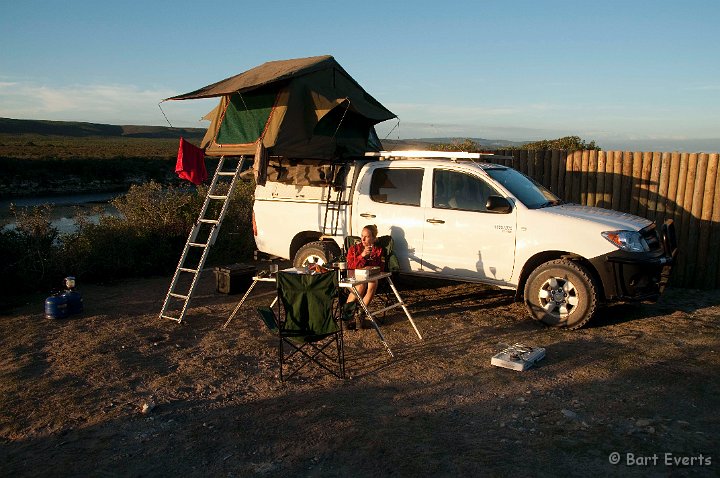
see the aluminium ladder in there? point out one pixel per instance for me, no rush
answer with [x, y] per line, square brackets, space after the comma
[334, 206]
[200, 229]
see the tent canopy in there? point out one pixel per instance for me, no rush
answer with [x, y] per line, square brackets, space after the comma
[301, 108]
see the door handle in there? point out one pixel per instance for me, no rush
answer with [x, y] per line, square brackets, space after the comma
[367, 215]
[435, 221]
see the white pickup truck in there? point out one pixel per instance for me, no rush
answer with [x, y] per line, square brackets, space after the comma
[458, 216]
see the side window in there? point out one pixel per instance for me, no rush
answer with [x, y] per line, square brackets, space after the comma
[396, 186]
[453, 190]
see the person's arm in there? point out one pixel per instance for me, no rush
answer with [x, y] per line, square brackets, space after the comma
[355, 260]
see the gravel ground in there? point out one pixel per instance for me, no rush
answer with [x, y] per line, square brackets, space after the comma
[116, 391]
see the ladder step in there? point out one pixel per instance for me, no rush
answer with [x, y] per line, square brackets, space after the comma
[177, 296]
[184, 269]
[209, 221]
[226, 173]
[212, 196]
[196, 244]
[171, 318]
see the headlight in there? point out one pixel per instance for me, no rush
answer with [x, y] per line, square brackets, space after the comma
[630, 241]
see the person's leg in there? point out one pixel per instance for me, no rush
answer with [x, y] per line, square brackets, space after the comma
[365, 323]
[348, 313]
[361, 289]
[371, 288]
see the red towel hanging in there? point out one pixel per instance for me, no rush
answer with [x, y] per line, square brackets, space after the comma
[191, 163]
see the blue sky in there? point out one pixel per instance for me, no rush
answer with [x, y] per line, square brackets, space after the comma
[618, 72]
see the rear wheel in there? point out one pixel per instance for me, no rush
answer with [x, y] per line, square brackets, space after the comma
[321, 253]
[561, 293]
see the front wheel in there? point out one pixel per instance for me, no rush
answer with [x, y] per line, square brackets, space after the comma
[318, 252]
[561, 293]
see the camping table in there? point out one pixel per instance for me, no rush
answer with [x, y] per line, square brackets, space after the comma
[350, 283]
[255, 279]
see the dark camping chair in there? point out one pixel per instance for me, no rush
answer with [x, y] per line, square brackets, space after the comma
[387, 244]
[307, 323]
[384, 292]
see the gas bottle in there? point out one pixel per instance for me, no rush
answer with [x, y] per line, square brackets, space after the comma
[56, 307]
[74, 301]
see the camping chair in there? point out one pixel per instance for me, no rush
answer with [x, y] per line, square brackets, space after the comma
[306, 323]
[383, 292]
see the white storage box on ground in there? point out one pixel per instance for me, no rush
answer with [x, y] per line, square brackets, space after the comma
[518, 357]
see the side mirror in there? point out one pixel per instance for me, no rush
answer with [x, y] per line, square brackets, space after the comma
[498, 204]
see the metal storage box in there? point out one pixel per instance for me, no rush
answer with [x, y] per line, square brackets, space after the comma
[234, 278]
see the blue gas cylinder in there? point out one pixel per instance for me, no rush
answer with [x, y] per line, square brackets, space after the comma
[56, 307]
[74, 301]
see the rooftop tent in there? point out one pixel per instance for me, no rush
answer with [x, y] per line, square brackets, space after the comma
[301, 108]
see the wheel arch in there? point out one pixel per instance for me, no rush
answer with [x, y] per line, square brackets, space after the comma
[542, 257]
[306, 237]
[300, 239]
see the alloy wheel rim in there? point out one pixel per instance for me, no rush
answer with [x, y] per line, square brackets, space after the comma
[559, 297]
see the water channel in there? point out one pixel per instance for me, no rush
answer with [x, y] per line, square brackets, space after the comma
[64, 208]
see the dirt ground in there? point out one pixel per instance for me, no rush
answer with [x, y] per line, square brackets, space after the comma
[640, 381]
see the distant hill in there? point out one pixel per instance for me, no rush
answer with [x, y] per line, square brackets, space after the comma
[78, 129]
[491, 143]
[424, 143]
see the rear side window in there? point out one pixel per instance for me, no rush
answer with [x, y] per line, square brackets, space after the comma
[396, 186]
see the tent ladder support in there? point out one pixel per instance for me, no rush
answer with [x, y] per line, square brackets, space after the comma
[201, 238]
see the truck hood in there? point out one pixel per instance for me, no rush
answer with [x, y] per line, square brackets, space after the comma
[614, 220]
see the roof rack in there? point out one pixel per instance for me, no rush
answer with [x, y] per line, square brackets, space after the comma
[419, 154]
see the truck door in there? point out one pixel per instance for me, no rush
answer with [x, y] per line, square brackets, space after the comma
[389, 197]
[462, 239]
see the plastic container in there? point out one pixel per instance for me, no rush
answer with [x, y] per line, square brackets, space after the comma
[56, 307]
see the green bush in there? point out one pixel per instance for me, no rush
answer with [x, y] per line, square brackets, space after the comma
[146, 238]
[28, 253]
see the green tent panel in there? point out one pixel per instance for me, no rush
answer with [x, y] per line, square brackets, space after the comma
[245, 117]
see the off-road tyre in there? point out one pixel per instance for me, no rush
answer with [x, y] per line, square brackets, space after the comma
[318, 252]
[561, 293]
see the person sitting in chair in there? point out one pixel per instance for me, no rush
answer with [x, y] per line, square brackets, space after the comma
[361, 255]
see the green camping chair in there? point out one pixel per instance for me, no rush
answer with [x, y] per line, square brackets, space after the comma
[387, 244]
[307, 324]
[384, 292]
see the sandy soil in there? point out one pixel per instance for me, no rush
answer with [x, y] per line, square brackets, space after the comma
[641, 381]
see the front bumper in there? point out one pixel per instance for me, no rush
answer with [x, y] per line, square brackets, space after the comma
[638, 276]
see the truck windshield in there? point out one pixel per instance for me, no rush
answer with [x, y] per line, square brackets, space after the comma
[531, 193]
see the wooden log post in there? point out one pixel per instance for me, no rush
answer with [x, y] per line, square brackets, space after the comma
[523, 161]
[645, 183]
[687, 204]
[609, 179]
[713, 280]
[653, 185]
[576, 177]
[662, 193]
[674, 176]
[592, 177]
[702, 273]
[568, 176]
[584, 164]
[600, 199]
[622, 179]
[695, 220]
[554, 171]
[636, 180]
[547, 168]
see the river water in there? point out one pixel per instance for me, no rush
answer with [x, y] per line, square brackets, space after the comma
[63, 208]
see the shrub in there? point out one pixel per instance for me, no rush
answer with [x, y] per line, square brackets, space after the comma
[145, 238]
